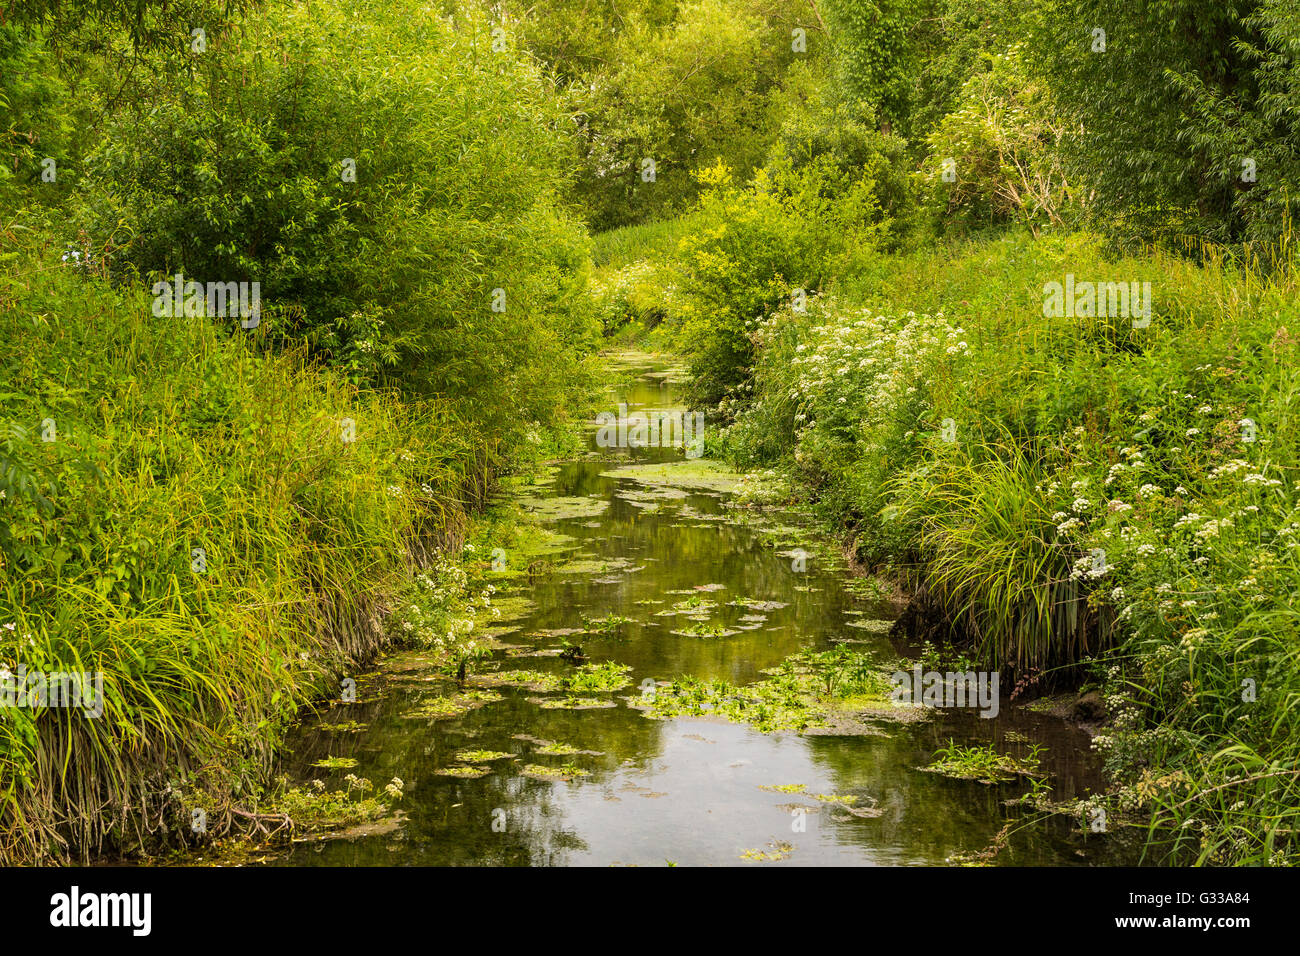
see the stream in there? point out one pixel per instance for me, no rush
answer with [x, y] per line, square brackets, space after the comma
[688, 791]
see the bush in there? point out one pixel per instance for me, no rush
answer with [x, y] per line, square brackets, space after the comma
[993, 160]
[632, 294]
[756, 247]
[391, 183]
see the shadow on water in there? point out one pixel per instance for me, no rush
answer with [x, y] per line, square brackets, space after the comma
[688, 791]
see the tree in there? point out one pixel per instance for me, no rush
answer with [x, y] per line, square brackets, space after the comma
[1165, 100]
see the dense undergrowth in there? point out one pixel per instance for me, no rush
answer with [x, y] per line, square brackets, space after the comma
[847, 221]
[1105, 501]
[221, 531]
[1077, 491]
[222, 519]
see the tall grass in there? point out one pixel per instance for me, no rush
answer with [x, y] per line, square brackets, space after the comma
[173, 438]
[656, 241]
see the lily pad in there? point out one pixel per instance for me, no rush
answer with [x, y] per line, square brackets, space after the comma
[440, 708]
[703, 474]
[482, 756]
[335, 763]
[571, 703]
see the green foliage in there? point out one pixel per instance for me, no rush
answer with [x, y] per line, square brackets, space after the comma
[36, 120]
[1162, 122]
[153, 26]
[182, 513]
[817, 129]
[993, 159]
[576, 38]
[1064, 490]
[756, 247]
[876, 56]
[984, 763]
[632, 294]
[685, 96]
[317, 808]
[459, 162]
[955, 39]
[627, 245]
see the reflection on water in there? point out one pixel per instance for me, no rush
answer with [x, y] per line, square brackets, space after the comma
[688, 791]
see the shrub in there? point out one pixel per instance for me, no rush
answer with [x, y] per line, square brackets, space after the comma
[756, 247]
[392, 185]
[994, 160]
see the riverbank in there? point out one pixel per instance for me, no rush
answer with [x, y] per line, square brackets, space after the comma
[677, 667]
[221, 533]
[1094, 501]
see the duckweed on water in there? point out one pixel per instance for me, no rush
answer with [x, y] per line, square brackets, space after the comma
[700, 474]
[609, 676]
[559, 509]
[871, 589]
[767, 706]
[809, 689]
[780, 850]
[566, 750]
[756, 605]
[701, 629]
[464, 773]
[571, 703]
[846, 799]
[875, 627]
[563, 772]
[481, 756]
[593, 564]
[439, 708]
[696, 604]
[335, 763]
[513, 607]
[534, 680]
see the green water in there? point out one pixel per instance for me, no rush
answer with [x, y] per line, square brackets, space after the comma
[689, 791]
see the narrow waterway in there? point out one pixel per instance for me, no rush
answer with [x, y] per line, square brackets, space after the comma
[689, 791]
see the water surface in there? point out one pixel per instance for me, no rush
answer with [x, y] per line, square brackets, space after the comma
[686, 791]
